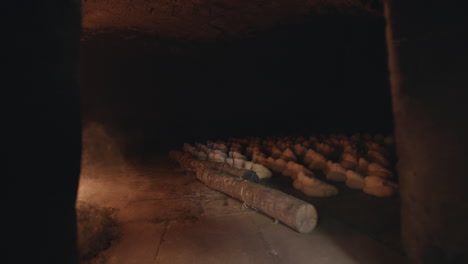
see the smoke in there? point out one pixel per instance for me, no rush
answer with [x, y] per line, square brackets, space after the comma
[102, 154]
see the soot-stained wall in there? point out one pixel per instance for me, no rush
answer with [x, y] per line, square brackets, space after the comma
[427, 47]
[322, 73]
[43, 139]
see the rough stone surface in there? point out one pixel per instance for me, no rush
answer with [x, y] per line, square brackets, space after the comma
[427, 60]
[204, 19]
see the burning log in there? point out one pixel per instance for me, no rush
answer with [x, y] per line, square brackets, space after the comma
[295, 213]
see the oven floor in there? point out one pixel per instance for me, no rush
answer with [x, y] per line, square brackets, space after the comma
[166, 216]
